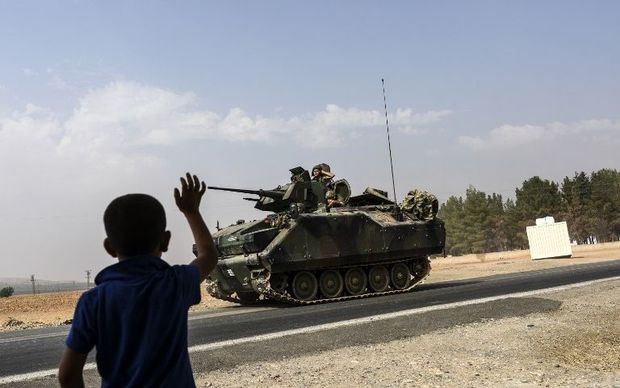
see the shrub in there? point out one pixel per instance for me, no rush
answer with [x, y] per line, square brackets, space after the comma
[6, 292]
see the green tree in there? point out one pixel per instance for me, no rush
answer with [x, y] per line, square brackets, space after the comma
[475, 220]
[496, 231]
[483, 223]
[576, 196]
[512, 226]
[535, 199]
[477, 224]
[604, 209]
[6, 292]
[451, 212]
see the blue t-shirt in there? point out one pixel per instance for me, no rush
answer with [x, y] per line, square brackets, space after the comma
[136, 317]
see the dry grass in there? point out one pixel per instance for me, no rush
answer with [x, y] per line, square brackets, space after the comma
[56, 308]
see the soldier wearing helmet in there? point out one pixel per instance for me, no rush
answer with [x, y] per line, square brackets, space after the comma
[321, 173]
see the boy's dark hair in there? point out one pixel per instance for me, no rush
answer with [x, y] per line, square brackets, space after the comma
[134, 224]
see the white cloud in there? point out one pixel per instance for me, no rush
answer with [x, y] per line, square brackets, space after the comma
[125, 114]
[328, 128]
[59, 83]
[29, 72]
[122, 115]
[34, 123]
[410, 122]
[111, 132]
[112, 129]
[508, 136]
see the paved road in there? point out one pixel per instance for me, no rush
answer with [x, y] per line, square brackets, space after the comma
[39, 349]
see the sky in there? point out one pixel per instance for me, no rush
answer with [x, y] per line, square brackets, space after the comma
[103, 98]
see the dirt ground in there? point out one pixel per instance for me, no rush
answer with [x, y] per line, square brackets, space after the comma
[52, 309]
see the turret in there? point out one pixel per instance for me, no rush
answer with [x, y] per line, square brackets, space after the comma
[301, 191]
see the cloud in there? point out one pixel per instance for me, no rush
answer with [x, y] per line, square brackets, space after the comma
[117, 132]
[122, 115]
[112, 130]
[508, 136]
[128, 114]
[330, 127]
[33, 122]
[411, 122]
[29, 72]
[59, 83]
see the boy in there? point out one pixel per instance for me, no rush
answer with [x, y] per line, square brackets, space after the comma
[136, 316]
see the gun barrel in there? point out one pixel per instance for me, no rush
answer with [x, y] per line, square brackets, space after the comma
[257, 192]
[262, 193]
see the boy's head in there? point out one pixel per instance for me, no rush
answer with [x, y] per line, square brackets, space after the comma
[135, 224]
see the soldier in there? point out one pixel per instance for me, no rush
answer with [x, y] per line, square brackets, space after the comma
[332, 200]
[321, 173]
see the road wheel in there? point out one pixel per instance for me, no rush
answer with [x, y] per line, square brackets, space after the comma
[331, 284]
[420, 268]
[378, 278]
[278, 281]
[355, 281]
[401, 276]
[304, 286]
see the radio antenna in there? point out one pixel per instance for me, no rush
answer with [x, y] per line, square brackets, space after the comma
[387, 126]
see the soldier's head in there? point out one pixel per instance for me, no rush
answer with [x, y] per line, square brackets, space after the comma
[316, 170]
[135, 224]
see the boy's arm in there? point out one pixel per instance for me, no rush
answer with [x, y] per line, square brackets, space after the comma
[71, 369]
[188, 202]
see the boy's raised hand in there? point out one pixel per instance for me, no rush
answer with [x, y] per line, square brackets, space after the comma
[192, 190]
[188, 201]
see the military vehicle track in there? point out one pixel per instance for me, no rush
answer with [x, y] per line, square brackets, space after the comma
[267, 293]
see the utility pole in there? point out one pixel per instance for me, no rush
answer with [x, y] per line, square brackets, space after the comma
[88, 279]
[34, 291]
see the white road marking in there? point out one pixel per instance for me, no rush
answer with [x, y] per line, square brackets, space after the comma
[31, 337]
[38, 374]
[225, 313]
[334, 325]
[64, 333]
[380, 317]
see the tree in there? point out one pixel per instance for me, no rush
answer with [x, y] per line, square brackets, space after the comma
[6, 292]
[535, 199]
[451, 212]
[475, 220]
[496, 233]
[604, 207]
[484, 223]
[512, 226]
[576, 197]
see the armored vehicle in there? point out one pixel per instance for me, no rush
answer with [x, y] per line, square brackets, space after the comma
[306, 252]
